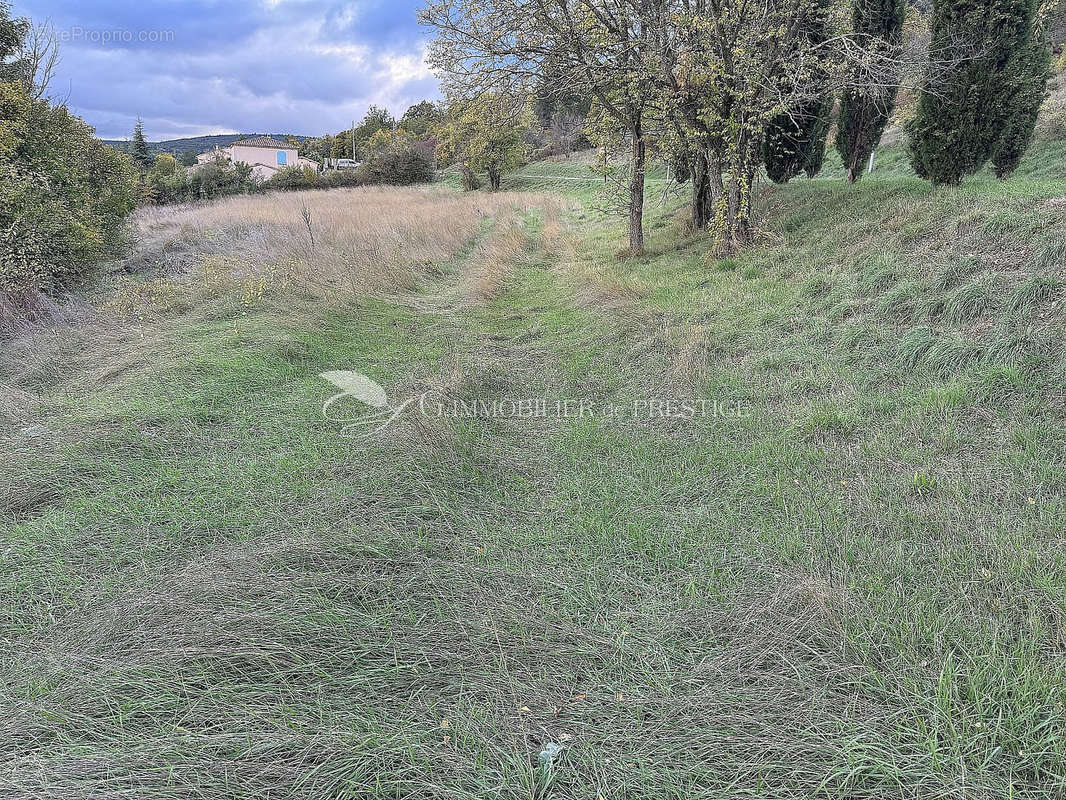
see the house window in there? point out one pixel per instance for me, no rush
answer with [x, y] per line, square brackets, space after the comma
[282, 155]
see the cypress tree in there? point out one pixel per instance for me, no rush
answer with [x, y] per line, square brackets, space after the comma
[1030, 87]
[878, 25]
[794, 140]
[962, 113]
[139, 149]
[814, 155]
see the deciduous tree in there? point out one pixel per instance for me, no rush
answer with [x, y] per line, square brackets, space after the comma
[604, 49]
[485, 134]
[730, 70]
[420, 119]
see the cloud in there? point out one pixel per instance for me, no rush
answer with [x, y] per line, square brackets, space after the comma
[193, 67]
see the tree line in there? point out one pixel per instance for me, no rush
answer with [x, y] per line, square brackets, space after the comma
[377, 130]
[722, 89]
[391, 153]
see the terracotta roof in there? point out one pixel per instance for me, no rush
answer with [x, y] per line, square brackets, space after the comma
[264, 141]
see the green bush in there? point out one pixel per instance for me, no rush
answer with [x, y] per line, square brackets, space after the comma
[167, 181]
[220, 178]
[293, 179]
[64, 196]
[399, 165]
[337, 178]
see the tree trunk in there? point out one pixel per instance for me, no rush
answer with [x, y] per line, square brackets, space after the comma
[470, 181]
[636, 192]
[495, 178]
[741, 187]
[702, 195]
[715, 173]
[730, 201]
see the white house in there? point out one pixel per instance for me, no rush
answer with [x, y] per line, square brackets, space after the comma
[265, 155]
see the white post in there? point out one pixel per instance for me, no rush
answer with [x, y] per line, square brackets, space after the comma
[870, 167]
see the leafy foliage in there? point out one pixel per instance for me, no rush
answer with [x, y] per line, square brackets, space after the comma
[220, 178]
[382, 139]
[420, 119]
[293, 178]
[485, 134]
[64, 196]
[167, 180]
[400, 164]
[376, 119]
[377, 129]
[599, 48]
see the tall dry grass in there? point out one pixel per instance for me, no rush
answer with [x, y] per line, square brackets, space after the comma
[486, 271]
[292, 250]
[359, 241]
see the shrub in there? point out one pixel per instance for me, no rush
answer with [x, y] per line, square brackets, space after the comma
[64, 196]
[338, 178]
[167, 181]
[471, 182]
[399, 165]
[293, 179]
[220, 178]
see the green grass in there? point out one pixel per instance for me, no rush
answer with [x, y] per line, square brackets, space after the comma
[853, 587]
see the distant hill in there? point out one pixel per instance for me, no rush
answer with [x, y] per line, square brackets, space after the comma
[201, 144]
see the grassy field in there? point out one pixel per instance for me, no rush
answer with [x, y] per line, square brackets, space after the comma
[835, 568]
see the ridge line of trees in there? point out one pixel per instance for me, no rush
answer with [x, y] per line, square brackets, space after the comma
[721, 89]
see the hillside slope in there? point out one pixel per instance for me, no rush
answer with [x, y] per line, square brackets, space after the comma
[198, 144]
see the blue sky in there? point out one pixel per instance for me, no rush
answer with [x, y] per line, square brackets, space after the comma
[194, 67]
